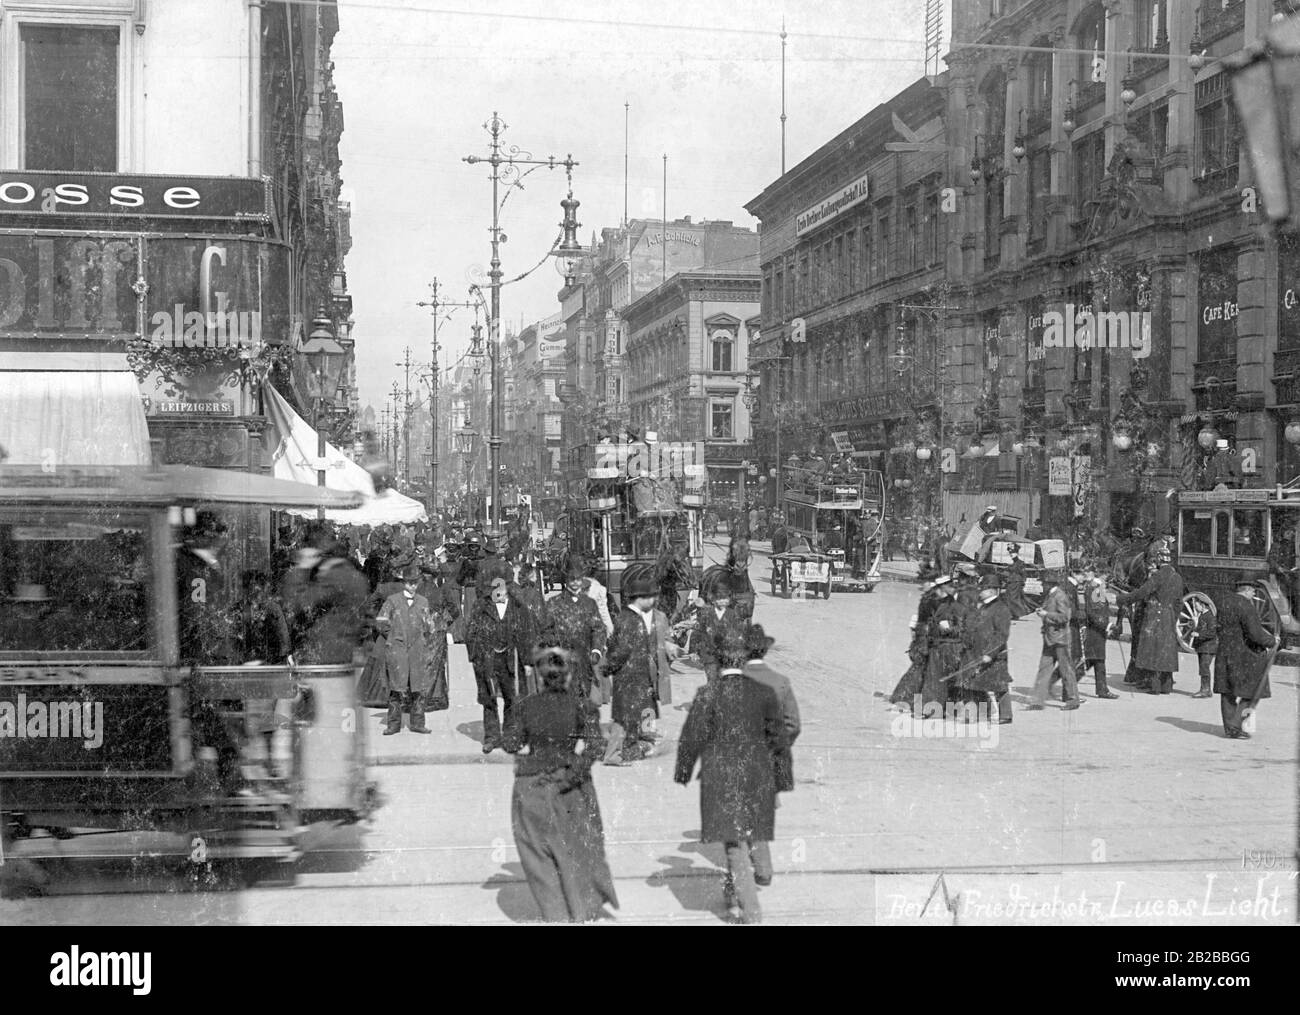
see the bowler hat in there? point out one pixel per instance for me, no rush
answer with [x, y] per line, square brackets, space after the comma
[640, 586]
[757, 642]
[411, 573]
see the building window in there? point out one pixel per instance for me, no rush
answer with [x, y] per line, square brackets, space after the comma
[1089, 169]
[723, 344]
[882, 246]
[803, 296]
[839, 266]
[868, 265]
[777, 308]
[1039, 69]
[1090, 41]
[1216, 134]
[1038, 189]
[70, 98]
[720, 421]
[930, 230]
[1153, 25]
[913, 238]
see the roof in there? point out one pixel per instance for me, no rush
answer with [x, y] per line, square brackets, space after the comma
[162, 485]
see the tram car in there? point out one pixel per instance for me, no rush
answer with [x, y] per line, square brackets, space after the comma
[638, 503]
[1226, 536]
[100, 720]
[817, 505]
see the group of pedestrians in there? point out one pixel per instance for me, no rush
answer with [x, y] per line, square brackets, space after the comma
[958, 651]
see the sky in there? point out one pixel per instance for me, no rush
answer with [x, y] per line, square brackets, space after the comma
[419, 78]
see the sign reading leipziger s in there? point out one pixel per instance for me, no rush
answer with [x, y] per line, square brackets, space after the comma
[113, 194]
[842, 200]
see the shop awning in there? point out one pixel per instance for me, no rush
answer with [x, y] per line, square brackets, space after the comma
[69, 407]
[294, 458]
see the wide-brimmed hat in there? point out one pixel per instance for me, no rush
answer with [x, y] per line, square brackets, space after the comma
[29, 594]
[640, 586]
[573, 569]
[757, 642]
[401, 560]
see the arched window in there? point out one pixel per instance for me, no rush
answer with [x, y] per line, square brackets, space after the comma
[723, 344]
[1038, 70]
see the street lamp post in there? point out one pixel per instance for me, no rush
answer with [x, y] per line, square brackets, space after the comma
[325, 356]
[568, 249]
[435, 304]
[465, 446]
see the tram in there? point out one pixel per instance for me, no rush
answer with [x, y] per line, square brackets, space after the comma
[638, 504]
[1224, 537]
[815, 504]
[97, 730]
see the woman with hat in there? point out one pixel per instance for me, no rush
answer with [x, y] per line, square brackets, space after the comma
[553, 809]
[987, 637]
[944, 641]
[735, 729]
[918, 651]
[411, 652]
[716, 612]
[496, 637]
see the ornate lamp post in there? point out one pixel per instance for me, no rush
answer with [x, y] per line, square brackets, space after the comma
[505, 168]
[325, 357]
[465, 437]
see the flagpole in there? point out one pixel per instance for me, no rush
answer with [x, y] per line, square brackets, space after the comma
[783, 96]
[664, 245]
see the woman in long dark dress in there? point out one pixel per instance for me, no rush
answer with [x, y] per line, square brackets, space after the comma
[553, 811]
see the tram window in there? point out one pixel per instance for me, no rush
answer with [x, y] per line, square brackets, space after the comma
[73, 582]
[1221, 520]
[1196, 532]
[1248, 533]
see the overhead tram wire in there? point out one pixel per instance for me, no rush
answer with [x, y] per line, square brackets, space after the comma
[712, 29]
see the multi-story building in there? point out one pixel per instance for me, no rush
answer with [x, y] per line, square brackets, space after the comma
[540, 370]
[623, 265]
[1059, 240]
[687, 368]
[854, 247]
[199, 210]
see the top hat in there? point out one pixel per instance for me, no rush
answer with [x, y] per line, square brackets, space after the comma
[1221, 444]
[639, 586]
[573, 570]
[29, 594]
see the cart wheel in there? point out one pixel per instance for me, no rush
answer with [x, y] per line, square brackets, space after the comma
[1195, 605]
[826, 591]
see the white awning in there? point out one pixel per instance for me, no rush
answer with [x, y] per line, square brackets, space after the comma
[60, 409]
[294, 457]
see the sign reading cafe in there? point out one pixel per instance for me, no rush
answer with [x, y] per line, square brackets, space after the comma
[841, 201]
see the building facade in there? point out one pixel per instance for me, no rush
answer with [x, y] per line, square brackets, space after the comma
[1054, 251]
[687, 369]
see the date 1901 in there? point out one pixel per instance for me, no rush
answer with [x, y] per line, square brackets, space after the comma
[1260, 859]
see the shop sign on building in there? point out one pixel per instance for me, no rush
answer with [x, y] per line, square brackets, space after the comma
[80, 195]
[842, 442]
[78, 286]
[1058, 477]
[832, 206]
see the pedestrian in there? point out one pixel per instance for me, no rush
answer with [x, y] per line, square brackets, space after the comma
[1281, 562]
[527, 593]
[1035, 532]
[1242, 663]
[734, 729]
[716, 612]
[264, 640]
[918, 651]
[1205, 639]
[1056, 612]
[1156, 652]
[495, 639]
[1014, 581]
[637, 653]
[573, 623]
[598, 594]
[325, 599]
[757, 645]
[737, 579]
[753, 530]
[944, 646]
[411, 652]
[1096, 627]
[1139, 568]
[554, 813]
[991, 678]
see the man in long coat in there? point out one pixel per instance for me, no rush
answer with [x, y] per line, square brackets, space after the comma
[987, 636]
[412, 652]
[1241, 666]
[716, 612]
[325, 597]
[573, 623]
[636, 656]
[497, 638]
[1156, 653]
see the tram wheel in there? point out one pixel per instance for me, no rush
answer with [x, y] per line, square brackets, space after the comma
[1195, 605]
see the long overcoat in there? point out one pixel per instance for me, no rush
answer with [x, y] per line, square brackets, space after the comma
[575, 624]
[1243, 650]
[734, 729]
[1097, 622]
[707, 626]
[1161, 595]
[945, 649]
[987, 636]
[413, 652]
[327, 610]
[634, 665]
[782, 759]
[488, 636]
[910, 683]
